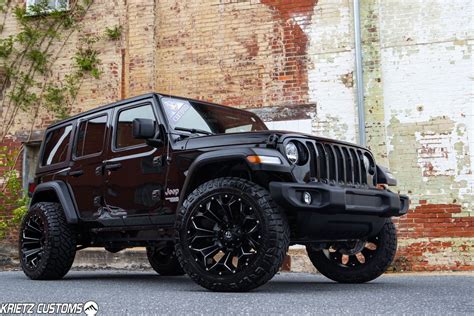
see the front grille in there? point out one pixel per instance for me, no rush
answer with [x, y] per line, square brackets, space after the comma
[336, 163]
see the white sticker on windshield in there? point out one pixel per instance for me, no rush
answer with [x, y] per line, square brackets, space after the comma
[175, 108]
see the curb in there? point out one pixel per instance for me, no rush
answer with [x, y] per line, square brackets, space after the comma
[136, 259]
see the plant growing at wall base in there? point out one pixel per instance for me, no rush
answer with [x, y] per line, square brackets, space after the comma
[21, 210]
[11, 190]
[3, 228]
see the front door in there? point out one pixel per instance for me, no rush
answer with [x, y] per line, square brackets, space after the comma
[85, 177]
[134, 172]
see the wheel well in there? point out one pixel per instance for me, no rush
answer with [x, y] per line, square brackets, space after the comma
[45, 196]
[229, 168]
[233, 168]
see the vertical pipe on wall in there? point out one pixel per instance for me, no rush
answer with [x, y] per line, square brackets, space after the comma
[24, 168]
[359, 73]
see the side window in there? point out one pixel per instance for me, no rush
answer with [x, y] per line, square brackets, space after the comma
[124, 134]
[56, 145]
[90, 136]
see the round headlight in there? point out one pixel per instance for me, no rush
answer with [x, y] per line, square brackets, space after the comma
[291, 151]
[366, 163]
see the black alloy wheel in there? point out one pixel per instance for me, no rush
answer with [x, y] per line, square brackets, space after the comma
[162, 258]
[224, 234]
[357, 261]
[231, 236]
[353, 254]
[32, 241]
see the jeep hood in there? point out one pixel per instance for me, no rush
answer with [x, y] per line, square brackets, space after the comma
[247, 138]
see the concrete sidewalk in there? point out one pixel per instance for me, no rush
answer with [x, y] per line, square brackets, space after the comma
[136, 259]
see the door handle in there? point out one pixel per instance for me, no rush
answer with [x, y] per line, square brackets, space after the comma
[113, 166]
[76, 173]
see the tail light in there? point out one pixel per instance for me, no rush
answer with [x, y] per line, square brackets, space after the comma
[31, 188]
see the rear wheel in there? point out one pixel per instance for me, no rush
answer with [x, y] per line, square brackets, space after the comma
[163, 259]
[230, 235]
[358, 261]
[47, 242]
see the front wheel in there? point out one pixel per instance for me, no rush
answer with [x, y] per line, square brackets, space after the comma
[230, 235]
[357, 261]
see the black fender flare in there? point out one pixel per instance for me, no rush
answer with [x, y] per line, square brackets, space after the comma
[60, 189]
[239, 154]
[384, 176]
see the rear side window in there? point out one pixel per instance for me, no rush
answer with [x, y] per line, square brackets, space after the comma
[56, 145]
[124, 135]
[90, 136]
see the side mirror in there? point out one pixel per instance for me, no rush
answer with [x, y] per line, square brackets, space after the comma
[144, 128]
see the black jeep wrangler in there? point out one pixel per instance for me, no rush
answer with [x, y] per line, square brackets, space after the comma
[209, 191]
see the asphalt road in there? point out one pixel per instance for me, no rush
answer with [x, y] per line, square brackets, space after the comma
[119, 292]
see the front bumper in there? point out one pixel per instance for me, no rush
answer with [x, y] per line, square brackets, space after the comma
[329, 199]
[336, 213]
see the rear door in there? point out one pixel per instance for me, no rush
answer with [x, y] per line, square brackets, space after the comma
[86, 178]
[135, 172]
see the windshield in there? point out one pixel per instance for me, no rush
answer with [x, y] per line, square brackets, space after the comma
[209, 119]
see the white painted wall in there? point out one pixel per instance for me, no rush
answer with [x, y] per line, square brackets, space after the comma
[301, 126]
[331, 56]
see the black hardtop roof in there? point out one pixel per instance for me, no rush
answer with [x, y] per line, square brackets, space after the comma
[133, 99]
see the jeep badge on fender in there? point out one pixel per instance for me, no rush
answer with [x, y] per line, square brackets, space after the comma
[233, 194]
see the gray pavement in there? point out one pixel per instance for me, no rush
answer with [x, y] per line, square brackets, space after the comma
[125, 292]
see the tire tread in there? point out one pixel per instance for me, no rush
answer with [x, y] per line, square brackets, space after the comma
[277, 229]
[60, 247]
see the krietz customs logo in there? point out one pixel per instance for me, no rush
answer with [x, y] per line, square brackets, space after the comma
[89, 308]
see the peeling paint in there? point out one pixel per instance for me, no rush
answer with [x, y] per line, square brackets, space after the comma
[347, 79]
[435, 254]
[426, 162]
[285, 113]
[293, 40]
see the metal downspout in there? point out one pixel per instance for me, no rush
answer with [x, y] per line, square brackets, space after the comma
[24, 169]
[359, 73]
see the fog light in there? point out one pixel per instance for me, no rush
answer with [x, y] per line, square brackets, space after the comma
[307, 198]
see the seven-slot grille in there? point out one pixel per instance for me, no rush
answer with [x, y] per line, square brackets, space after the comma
[336, 163]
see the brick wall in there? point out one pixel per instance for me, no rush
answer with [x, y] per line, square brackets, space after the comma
[296, 59]
[426, 81]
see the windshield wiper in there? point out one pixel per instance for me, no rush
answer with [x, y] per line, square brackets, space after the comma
[193, 130]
